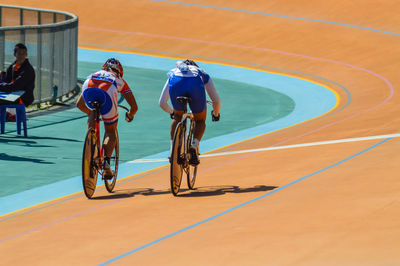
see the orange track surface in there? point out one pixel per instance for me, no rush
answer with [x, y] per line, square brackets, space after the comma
[345, 215]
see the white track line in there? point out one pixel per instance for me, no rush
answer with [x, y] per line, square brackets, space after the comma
[277, 148]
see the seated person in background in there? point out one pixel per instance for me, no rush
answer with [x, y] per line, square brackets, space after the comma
[20, 76]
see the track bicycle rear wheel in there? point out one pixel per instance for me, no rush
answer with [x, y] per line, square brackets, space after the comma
[192, 169]
[110, 183]
[89, 167]
[177, 159]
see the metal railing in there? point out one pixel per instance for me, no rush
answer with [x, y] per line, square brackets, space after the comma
[52, 41]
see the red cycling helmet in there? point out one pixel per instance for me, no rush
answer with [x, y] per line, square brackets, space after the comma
[115, 66]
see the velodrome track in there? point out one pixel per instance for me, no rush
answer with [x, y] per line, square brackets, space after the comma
[328, 204]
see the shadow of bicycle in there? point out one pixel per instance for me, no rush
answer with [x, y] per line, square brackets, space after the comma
[123, 193]
[7, 157]
[197, 192]
[221, 190]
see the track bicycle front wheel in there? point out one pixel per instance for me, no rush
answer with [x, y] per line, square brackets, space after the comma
[89, 167]
[192, 169]
[178, 144]
[110, 183]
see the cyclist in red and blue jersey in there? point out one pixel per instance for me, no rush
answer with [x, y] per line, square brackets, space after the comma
[103, 87]
[188, 80]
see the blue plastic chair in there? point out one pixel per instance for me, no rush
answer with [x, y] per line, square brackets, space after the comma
[20, 117]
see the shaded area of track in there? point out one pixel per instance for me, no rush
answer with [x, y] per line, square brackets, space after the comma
[59, 136]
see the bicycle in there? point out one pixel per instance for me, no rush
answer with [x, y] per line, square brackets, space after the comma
[180, 155]
[93, 157]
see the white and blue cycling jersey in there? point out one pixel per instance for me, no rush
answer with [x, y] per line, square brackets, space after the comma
[189, 81]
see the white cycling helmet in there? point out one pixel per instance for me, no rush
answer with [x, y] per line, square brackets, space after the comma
[182, 66]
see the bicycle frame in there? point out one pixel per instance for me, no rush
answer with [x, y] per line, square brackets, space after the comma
[190, 115]
[183, 121]
[179, 153]
[97, 132]
[180, 159]
[186, 116]
[92, 162]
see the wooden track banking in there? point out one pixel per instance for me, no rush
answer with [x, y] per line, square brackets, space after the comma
[315, 205]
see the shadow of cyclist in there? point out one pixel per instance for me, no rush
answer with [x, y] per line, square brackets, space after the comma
[198, 192]
[124, 193]
[6, 157]
[221, 190]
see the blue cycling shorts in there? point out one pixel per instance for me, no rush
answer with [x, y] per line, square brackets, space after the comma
[99, 95]
[188, 87]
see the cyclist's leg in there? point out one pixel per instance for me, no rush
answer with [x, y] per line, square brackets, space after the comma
[109, 114]
[198, 106]
[174, 92]
[91, 119]
[199, 110]
[200, 126]
[81, 104]
[92, 95]
[110, 137]
[175, 121]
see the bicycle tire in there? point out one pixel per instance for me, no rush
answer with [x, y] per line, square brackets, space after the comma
[176, 153]
[192, 169]
[89, 168]
[114, 159]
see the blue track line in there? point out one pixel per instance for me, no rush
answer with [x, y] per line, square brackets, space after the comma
[241, 205]
[279, 16]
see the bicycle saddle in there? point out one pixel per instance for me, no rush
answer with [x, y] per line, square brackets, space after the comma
[183, 100]
[95, 104]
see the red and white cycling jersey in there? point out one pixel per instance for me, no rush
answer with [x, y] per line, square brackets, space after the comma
[111, 84]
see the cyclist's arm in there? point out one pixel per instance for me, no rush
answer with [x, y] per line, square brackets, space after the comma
[124, 89]
[163, 101]
[212, 92]
[132, 102]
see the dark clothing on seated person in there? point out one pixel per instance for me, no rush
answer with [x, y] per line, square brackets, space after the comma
[22, 79]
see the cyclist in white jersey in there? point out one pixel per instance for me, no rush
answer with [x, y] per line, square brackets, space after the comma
[103, 87]
[188, 80]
